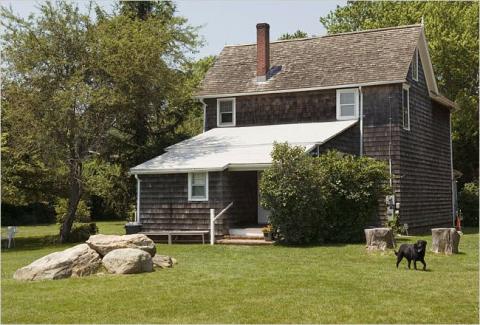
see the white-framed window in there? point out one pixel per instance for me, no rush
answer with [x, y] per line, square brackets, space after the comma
[347, 104]
[415, 65]
[198, 186]
[226, 112]
[406, 107]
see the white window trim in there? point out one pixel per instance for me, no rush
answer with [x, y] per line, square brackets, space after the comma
[343, 91]
[415, 71]
[193, 198]
[407, 88]
[234, 112]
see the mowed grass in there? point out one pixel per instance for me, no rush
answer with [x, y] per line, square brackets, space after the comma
[247, 284]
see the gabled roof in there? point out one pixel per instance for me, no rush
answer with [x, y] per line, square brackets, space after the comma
[238, 148]
[334, 61]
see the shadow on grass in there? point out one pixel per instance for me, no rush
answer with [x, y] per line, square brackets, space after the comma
[33, 243]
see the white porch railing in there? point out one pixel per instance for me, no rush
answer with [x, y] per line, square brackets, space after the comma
[213, 218]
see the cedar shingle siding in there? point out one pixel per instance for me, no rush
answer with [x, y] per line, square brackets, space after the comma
[164, 202]
[425, 170]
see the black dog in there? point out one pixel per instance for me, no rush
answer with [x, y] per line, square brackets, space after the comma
[415, 252]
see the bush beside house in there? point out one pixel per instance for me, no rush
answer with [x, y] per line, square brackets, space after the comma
[326, 199]
[468, 204]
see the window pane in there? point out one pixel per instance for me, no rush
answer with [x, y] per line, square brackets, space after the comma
[405, 97]
[406, 121]
[347, 110]
[199, 179]
[225, 109]
[198, 191]
[347, 98]
[226, 106]
[226, 118]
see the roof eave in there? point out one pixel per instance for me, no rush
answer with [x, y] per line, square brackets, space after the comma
[293, 90]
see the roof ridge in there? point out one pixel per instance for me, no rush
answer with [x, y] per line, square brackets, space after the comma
[331, 35]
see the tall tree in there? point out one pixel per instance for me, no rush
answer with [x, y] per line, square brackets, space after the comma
[75, 88]
[452, 32]
[297, 34]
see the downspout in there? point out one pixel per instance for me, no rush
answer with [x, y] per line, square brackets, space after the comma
[204, 113]
[390, 142]
[361, 120]
[137, 217]
[454, 195]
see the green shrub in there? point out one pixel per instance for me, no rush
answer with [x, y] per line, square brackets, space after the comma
[81, 231]
[468, 204]
[291, 192]
[82, 215]
[395, 225]
[326, 199]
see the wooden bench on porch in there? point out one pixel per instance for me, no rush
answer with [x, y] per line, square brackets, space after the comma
[171, 233]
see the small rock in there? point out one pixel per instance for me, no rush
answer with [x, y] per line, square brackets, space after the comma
[128, 261]
[104, 244]
[163, 261]
[79, 260]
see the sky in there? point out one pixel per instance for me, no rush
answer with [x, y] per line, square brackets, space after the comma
[232, 21]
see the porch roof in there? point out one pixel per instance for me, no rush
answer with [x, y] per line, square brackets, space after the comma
[238, 148]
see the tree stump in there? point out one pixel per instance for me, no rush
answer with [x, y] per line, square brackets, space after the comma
[445, 240]
[379, 238]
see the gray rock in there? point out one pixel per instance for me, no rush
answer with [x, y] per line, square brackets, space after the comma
[104, 244]
[128, 261]
[379, 238]
[445, 240]
[79, 260]
[163, 261]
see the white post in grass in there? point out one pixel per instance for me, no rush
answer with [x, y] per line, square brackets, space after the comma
[212, 226]
[137, 214]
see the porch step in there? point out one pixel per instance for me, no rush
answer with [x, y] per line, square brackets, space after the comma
[253, 232]
[231, 241]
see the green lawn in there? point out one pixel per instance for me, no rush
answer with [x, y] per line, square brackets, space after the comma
[241, 284]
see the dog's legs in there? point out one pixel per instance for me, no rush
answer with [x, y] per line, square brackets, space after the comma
[399, 259]
[415, 264]
[424, 264]
[409, 261]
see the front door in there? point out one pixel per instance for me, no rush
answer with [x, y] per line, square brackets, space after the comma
[261, 212]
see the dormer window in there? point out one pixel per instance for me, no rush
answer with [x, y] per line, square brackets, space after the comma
[415, 66]
[347, 104]
[226, 112]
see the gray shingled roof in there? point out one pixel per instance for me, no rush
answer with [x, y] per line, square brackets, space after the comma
[381, 55]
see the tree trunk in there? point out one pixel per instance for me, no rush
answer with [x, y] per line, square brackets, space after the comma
[445, 240]
[75, 181]
[379, 238]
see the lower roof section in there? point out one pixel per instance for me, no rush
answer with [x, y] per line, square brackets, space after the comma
[238, 148]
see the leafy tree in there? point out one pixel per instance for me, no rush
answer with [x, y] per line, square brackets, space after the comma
[452, 32]
[468, 204]
[77, 89]
[297, 34]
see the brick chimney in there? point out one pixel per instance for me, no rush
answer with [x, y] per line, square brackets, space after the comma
[263, 51]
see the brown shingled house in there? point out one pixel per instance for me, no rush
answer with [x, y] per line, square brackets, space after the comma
[367, 93]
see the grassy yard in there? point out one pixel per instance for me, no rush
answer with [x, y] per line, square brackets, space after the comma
[240, 284]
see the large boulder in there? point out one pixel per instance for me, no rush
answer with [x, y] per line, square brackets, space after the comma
[445, 240]
[379, 238]
[127, 261]
[79, 260]
[104, 244]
